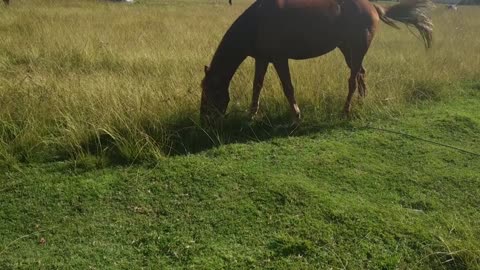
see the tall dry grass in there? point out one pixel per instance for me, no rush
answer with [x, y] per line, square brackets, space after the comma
[88, 77]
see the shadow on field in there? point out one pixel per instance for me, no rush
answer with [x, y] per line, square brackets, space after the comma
[146, 140]
[188, 137]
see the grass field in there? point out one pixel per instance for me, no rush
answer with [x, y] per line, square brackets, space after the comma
[347, 197]
[103, 164]
[85, 77]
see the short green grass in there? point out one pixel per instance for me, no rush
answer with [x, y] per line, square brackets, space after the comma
[343, 197]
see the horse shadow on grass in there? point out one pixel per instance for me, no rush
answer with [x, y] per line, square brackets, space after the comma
[187, 136]
[182, 133]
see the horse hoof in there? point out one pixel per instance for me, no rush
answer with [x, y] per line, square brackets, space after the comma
[295, 124]
[296, 120]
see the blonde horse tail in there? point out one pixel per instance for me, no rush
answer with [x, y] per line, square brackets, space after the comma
[413, 12]
[381, 13]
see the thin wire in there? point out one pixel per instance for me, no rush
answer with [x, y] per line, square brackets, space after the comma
[422, 139]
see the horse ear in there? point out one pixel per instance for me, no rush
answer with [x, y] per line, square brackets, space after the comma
[206, 69]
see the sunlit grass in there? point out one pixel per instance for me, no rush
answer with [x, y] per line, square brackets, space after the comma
[86, 77]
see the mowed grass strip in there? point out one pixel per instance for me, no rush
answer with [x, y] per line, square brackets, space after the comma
[347, 197]
[80, 78]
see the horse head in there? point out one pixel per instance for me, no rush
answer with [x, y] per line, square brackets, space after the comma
[215, 98]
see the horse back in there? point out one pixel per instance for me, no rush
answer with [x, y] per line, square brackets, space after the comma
[299, 29]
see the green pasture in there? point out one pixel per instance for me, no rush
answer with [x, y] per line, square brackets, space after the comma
[103, 163]
[345, 197]
[80, 78]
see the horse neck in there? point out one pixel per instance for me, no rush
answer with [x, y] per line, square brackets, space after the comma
[235, 46]
[226, 61]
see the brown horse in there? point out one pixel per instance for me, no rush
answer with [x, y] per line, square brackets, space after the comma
[273, 31]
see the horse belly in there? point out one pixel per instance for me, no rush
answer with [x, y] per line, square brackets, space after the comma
[309, 48]
[297, 34]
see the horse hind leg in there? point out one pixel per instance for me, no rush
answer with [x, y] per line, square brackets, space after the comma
[357, 55]
[260, 70]
[283, 71]
[354, 52]
[362, 87]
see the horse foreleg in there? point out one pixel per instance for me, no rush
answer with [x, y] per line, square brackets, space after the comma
[283, 71]
[260, 70]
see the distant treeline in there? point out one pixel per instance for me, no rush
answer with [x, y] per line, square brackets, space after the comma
[456, 2]
[469, 2]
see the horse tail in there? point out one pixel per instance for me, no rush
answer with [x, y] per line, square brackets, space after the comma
[413, 12]
[381, 13]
